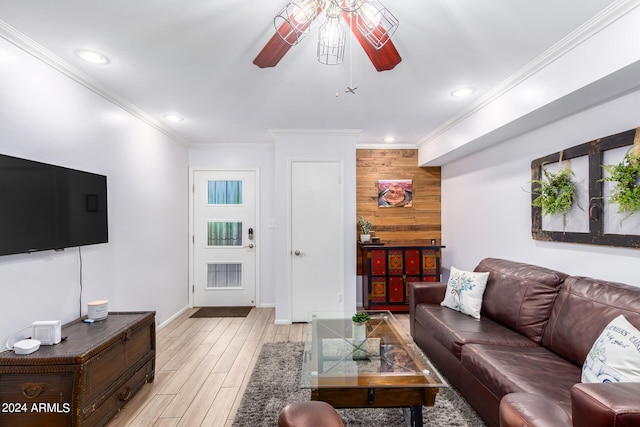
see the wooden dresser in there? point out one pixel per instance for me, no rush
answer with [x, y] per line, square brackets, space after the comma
[389, 268]
[85, 379]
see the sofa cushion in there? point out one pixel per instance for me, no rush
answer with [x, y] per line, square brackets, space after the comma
[615, 356]
[464, 291]
[503, 370]
[519, 295]
[583, 308]
[453, 329]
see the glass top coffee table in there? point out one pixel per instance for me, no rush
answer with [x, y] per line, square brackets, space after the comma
[382, 369]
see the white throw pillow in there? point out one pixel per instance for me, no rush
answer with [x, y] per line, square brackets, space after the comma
[464, 291]
[615, 356]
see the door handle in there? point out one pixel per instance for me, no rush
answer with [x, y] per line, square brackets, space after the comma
[298, 253]
[250, 246]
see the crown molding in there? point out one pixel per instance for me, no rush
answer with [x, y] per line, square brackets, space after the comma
[39, 52]
[385, 146]
[315, 132]
[603, 19]
[206, 145]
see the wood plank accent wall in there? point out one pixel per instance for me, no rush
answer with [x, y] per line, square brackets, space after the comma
[418, 224]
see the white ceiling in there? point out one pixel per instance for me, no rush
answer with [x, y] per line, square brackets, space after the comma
[194, 58]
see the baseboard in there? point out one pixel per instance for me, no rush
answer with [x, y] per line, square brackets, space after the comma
[172, 318]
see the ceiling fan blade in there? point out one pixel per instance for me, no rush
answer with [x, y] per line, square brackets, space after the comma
[276, 48]
[383, 59]
[272, 52]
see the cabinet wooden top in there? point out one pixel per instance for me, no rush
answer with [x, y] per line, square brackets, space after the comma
[399, 245]
[83, 340]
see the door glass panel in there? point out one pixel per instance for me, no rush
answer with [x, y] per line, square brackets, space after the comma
[224, 193]
[224, 233]
[224, 276]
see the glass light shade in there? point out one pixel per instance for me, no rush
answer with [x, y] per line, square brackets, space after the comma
[331, 41]
[293, 22]
[376, 23]
[349, 5]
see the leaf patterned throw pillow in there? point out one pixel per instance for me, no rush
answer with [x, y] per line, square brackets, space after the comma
[464, 291]
[615, 356]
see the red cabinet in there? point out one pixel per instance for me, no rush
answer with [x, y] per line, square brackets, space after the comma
[387, 270]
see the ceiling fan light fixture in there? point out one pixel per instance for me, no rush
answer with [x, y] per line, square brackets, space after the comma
[376, 23]
[331, 38]
[349, 5]
[373, 29]
[292, 23]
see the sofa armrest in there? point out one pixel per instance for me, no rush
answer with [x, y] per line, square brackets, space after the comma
[606, 404]
[424, 293]
[531, 410]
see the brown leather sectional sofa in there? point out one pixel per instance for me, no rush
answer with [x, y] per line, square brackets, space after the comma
[520, 364]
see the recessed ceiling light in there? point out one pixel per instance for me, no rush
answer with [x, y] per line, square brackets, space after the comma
[463, 91]
[173, 118]
[390, 139]
[93, 57]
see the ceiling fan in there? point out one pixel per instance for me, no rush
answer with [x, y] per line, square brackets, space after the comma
[370, 22]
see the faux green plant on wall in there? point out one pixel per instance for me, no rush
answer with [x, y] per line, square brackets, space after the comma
[556, 192]
[626, 179]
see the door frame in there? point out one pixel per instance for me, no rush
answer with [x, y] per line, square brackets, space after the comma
[192, 171]
[289, 264]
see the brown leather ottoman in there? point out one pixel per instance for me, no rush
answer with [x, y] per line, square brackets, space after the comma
[309, 414]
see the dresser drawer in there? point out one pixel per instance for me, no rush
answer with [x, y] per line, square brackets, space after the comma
[33, 398]
[106, 368]
[101, 411]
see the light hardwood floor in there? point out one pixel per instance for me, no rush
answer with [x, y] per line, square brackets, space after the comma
[202, 369]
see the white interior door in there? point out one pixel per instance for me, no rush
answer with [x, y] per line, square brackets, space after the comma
[225, 238]
[316, 238]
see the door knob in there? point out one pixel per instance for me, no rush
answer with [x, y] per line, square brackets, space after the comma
[250, 246]
[298, 253]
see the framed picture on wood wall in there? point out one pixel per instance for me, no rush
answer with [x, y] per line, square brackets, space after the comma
[395, 193]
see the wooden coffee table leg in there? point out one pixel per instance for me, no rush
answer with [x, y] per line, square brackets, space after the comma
[413, 416]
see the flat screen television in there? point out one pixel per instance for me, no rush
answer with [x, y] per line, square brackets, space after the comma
[45, 207]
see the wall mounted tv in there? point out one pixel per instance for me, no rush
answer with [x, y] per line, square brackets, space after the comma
[46, 207]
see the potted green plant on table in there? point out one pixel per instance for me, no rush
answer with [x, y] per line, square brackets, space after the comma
[359, 326]
[365, 228]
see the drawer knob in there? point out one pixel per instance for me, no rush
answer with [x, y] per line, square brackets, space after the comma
[32, 390]
[125, 394]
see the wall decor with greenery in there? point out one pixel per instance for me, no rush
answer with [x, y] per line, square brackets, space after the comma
[552, 192]
[626, 178]
[556, 193]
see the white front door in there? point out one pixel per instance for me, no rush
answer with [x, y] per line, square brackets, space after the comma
[317, 249]
[225, 238]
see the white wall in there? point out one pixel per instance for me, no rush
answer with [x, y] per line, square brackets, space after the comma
[486, 209]
[238, 156]
[48, 117]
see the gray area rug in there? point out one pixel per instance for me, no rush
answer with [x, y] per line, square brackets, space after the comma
[275, 382]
